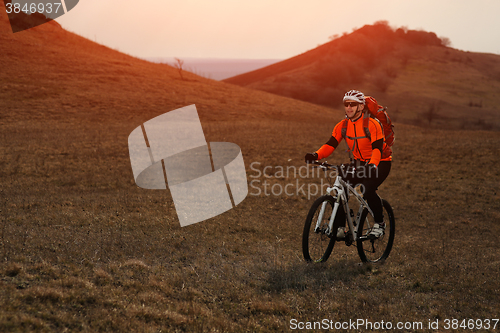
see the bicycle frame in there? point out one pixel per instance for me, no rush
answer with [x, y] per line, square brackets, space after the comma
[320, 228]
[339, 191]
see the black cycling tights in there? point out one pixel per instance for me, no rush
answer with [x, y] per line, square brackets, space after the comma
[371, 181]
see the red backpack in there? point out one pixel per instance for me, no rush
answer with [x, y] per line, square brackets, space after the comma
[377, 112]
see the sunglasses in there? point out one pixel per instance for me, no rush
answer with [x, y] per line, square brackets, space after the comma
[346, 104]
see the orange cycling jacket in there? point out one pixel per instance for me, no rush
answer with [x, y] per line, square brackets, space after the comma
[363, 148]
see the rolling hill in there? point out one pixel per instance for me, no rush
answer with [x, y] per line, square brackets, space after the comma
[421, 79]
[70, 72]
[83, 249]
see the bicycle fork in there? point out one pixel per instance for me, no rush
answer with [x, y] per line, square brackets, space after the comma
[350, 220]
[339, 192]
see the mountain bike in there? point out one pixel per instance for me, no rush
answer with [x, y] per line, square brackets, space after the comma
[331, 212]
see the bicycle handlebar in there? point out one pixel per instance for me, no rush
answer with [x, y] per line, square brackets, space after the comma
[347, 168]
[324, 165]
[328, 166]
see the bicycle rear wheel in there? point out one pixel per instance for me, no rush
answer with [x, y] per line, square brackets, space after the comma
[316, 244]
[378, 249]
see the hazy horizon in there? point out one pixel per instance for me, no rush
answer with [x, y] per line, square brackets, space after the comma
[216, 68]
[279, 29]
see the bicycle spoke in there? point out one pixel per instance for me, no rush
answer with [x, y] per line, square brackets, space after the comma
[373, 247]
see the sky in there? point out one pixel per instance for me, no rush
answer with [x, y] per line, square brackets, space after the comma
[271, 29]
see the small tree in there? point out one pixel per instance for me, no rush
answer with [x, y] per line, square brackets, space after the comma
[445, 41]
[334, 37]
[178, 64]
[432, 113]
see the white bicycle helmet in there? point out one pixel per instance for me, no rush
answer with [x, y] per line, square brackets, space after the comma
[354, 95]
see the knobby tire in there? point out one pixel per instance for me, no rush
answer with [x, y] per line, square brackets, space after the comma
[317, 246]
[376, 250]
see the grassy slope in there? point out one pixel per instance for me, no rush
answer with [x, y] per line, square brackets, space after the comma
[83, 249]
[410, 77]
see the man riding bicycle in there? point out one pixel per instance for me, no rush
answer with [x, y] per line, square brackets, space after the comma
[370, 155]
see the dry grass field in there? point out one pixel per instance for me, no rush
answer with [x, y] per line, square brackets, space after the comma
[83, 249]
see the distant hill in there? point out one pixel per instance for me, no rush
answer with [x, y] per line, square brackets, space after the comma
[215, 68]
[421, 79]
[49, 73]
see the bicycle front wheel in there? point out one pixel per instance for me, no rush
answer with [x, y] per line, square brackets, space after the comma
[316, 244]
[377, 249]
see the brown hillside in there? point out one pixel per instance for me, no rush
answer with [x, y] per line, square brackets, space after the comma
[63, 71]
[83, 249]
[422, 81]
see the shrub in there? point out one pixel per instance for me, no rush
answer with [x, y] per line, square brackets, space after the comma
[423, 38]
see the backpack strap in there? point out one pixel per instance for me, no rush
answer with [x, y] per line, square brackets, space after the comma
[366, 122]
[343, 131]
[344, 128]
